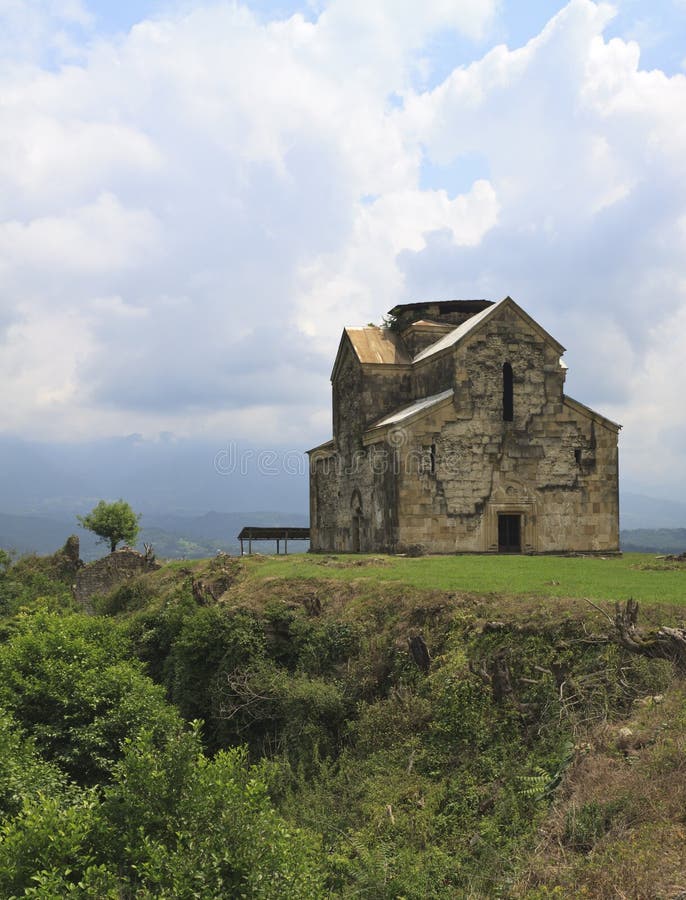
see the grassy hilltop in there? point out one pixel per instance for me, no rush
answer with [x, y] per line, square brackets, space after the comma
[603, 578]
[437, 727]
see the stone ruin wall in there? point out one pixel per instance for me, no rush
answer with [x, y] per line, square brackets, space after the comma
[102, 576]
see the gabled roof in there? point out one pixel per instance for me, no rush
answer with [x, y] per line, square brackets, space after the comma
[413, 411]
[325, 449]
[475, 322]
[372, 345]
[590, 413]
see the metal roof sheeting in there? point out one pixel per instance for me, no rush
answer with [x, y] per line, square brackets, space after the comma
[274, 533]
[450, 339]
[418, 406]
[378, 345]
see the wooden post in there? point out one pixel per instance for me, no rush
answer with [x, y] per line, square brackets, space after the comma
[250, 543]
[277, 546]
[241, 546]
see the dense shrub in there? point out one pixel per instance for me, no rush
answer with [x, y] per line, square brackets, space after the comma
[32, 582]
[171, 823]
[69, 682]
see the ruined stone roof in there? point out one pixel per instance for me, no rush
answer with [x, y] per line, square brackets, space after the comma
[471, 325]
[445, 306]
[406, 412]
[378, 345]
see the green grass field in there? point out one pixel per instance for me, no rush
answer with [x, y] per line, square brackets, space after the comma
[637, 575]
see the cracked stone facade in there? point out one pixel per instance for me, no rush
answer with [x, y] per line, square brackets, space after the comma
[426, 453]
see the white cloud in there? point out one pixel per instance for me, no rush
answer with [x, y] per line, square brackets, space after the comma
[585, 154]
[189, 213]
[102, 237]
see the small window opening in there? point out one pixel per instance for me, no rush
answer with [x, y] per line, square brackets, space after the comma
[508, 393]
[432, 459]
[577, 456]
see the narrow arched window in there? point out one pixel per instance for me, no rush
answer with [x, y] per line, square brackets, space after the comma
[508, 393]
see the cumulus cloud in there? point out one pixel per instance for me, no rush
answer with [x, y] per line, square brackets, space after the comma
[191, 211]
[191, 173]
[584, 152]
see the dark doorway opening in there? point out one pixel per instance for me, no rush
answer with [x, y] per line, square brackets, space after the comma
[509, 534]
[355, 531]
[356, 534]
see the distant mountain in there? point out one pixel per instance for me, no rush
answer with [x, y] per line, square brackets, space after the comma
[184, 476]
[653, 540]
[219, 526]
[176, 536]
[37, 534]
[172, 536]
[639, 511]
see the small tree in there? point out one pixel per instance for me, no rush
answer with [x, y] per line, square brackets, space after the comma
[112, 522]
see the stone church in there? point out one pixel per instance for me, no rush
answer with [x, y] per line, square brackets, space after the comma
[452, 432]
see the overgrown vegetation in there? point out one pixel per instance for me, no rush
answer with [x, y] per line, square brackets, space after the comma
[532, 757]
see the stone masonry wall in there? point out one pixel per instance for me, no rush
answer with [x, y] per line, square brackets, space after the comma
[103, 575]
[554, 465]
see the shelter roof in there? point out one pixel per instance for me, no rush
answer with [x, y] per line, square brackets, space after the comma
[268, 533]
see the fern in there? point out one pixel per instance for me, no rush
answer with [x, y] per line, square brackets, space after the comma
[534, 787]
[541, 785]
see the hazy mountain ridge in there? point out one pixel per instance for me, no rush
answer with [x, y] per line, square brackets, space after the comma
[654, 540]
[173, 536]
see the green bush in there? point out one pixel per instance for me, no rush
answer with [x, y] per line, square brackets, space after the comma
[171, 823]
[23, 774]
[67, 681]
[192, 827]
[33, 582]
[130, 596]
[276, 712]
[209, 644]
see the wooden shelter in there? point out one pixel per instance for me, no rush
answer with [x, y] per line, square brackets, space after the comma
[288, 533]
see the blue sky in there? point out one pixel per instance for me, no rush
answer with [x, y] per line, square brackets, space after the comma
[659, 26]
[192, 209]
